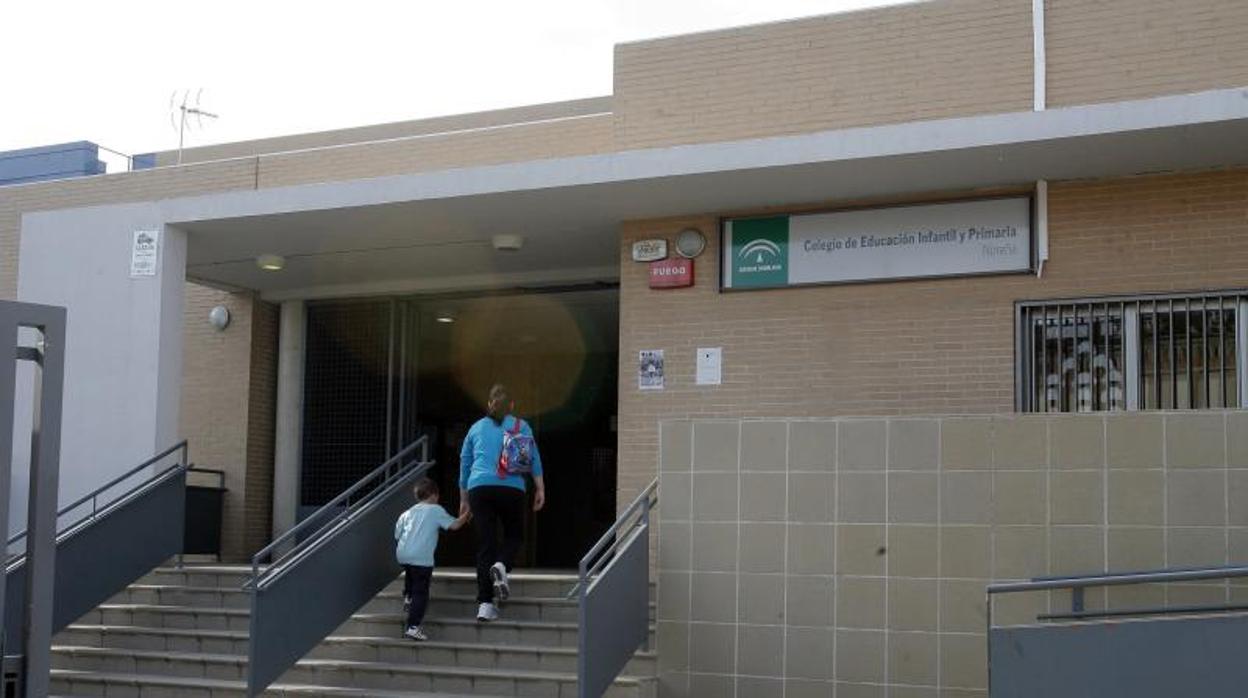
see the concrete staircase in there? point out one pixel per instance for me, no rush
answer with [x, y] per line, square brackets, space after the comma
[184, 633]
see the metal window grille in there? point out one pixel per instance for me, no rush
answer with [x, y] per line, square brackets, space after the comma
[1151, 352]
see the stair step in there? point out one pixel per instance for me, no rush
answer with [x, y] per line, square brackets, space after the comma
[383, 676]
[90, 683]
[380, 649]
[441, 604]
[464, 629]
[447, 581]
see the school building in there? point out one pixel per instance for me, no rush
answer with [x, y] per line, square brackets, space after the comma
[895, 303]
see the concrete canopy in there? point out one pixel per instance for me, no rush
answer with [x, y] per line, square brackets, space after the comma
[432, 230]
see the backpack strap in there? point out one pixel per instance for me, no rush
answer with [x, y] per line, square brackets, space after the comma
[502, 456]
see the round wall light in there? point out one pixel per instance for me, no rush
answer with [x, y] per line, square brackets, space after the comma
[271, 262]
[690, 242]
[219, 317]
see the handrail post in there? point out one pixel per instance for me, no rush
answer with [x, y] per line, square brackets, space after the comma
[582, 634]
[645, 520]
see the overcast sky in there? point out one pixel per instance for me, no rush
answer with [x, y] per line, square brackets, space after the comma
[106, 71]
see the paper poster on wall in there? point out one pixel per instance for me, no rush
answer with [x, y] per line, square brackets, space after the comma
[144, 253]
[650, 369]
[710, 365]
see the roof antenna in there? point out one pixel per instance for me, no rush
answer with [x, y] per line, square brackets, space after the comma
[180, 109]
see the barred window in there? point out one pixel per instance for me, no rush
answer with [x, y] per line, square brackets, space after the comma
[1133, 353]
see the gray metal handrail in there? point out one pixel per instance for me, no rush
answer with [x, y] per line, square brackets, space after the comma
[345, 558]
[1014, 652]
[599, 553]
[1078, 583]
[94, 496]
[335, 507]
[619, 565]
[102, 552]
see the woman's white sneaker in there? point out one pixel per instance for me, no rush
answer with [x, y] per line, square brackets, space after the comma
[487, 612]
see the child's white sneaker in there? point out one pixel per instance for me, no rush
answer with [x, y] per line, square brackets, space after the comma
[502, 588]
[487, 612]
[415, 633]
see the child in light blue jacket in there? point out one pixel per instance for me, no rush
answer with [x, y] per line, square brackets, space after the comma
[416, 533]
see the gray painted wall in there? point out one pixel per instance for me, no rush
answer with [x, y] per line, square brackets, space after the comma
[123, 362]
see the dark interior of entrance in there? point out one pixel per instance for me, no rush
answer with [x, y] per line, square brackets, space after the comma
[380, 373]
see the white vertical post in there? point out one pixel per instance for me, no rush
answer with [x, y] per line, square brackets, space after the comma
[288, 446]
[1039, 69]
[1042, 225]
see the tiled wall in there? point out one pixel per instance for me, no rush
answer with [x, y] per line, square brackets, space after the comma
[849, 557]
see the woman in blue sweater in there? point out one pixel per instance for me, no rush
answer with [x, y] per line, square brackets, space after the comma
[495, 498]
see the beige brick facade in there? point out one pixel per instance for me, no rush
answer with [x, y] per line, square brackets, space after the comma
[1111, 50]
[923, 347]
[943, 346]
[918, 61]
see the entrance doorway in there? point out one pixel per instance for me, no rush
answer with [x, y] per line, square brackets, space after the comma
[381, 373]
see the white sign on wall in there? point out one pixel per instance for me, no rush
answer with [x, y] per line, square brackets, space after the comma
[710, 365]
[144, 253]
[985, 236]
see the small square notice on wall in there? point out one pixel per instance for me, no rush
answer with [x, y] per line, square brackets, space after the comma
[710, 365]
[650, 369]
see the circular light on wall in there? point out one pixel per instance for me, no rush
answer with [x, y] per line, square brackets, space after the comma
[219, 317]
[690, 242]
[271, 262]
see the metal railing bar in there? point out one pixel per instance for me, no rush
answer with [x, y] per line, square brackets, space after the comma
[605, 539]
[422, 442]
[79, 525]
[629, 536]
[602, 551]
[1155, 611]
[324, 534]
[182, 446]
[1127, 578]
[1222, 350]
[1145, 297]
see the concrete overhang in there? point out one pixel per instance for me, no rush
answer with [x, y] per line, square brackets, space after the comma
[431, 230]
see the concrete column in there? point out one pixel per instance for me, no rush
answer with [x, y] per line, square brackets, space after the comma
[123, 353]
[288, 461]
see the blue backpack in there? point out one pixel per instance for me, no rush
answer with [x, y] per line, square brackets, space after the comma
[517, 454]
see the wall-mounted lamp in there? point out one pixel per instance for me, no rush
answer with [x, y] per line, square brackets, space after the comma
[445, 317]
[271, 262]
[219, 317]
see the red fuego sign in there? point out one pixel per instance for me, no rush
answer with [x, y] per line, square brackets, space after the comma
[676, 272]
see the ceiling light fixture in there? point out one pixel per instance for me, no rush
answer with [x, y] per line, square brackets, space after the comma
[445, 317]
[271, 262]
[508, 243]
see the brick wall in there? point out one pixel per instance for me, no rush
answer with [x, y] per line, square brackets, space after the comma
[580, 136]
[924, 60]
[943, 346]
[145, 185]
[403, 129]
[1111, 50]
[215, 387]
[261, 431]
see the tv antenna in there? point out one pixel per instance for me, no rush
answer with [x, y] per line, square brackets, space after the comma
[180, 108]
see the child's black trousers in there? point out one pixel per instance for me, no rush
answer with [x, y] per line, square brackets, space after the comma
[416, 590]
